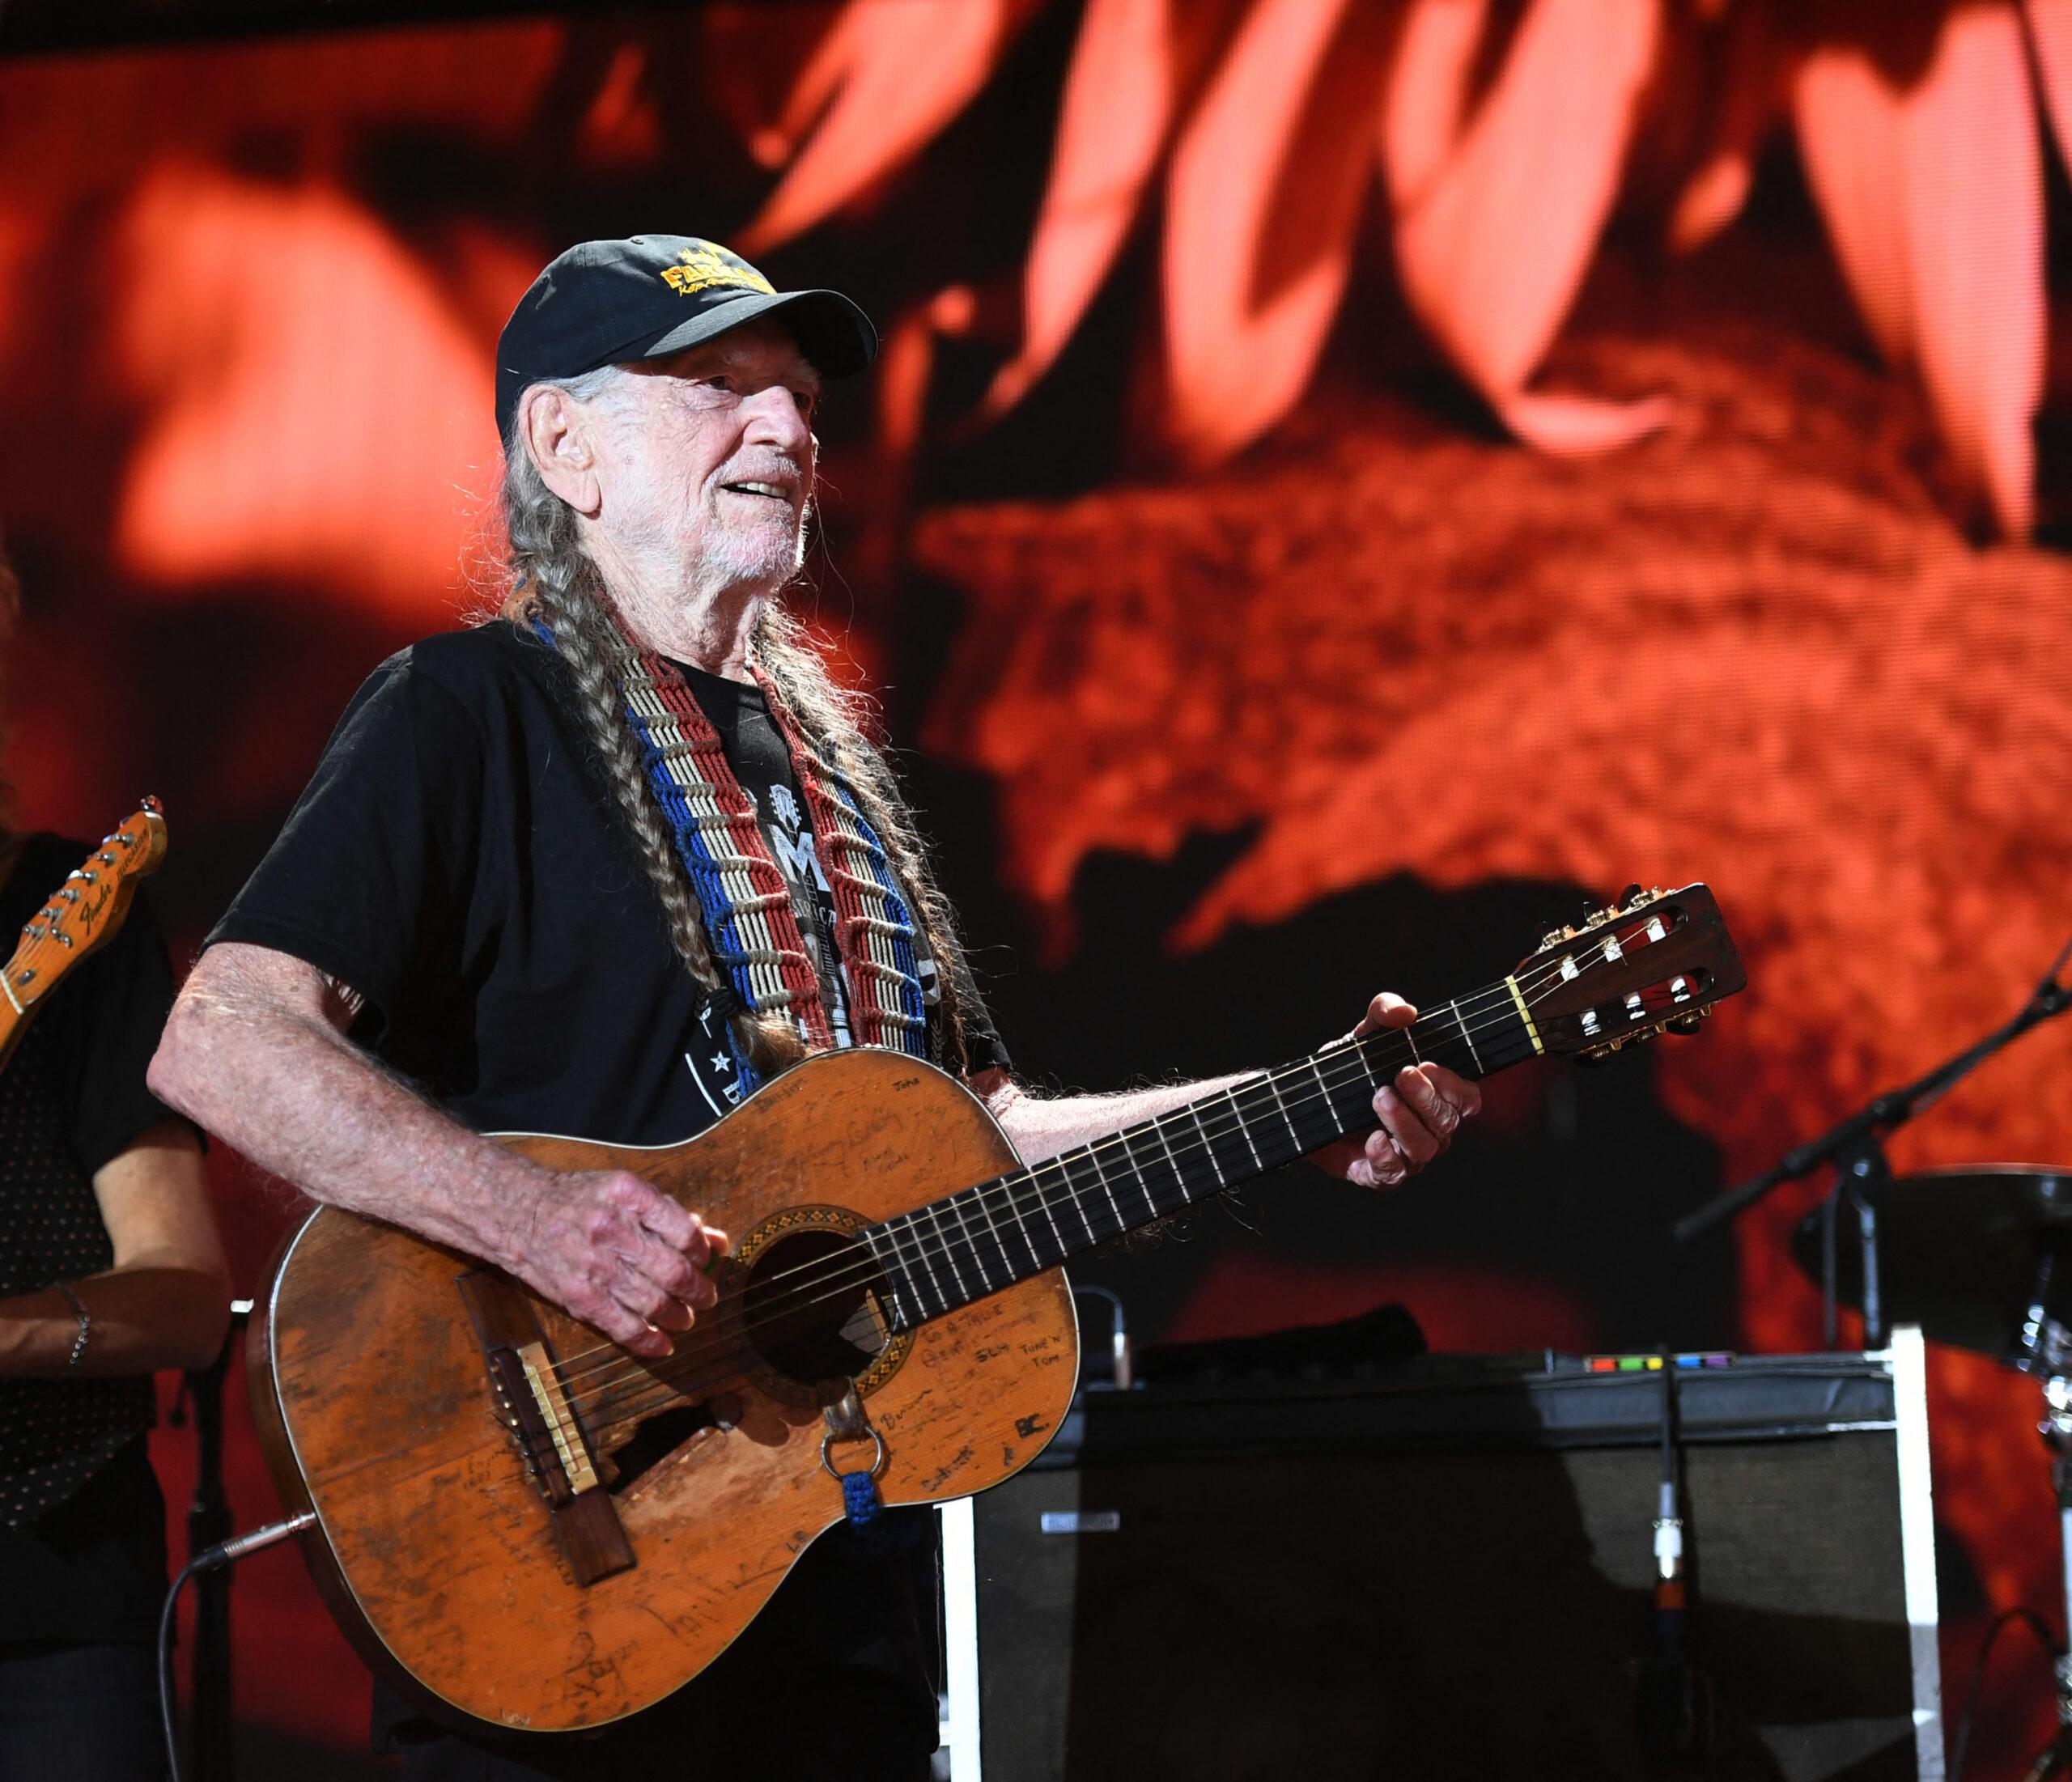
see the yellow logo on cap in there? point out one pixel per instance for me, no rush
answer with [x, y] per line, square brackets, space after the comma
[704, 267]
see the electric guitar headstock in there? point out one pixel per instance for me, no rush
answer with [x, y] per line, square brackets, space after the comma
[80, 915]
[1653, 962]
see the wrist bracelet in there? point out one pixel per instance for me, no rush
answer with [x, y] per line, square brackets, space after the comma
[85, 1328]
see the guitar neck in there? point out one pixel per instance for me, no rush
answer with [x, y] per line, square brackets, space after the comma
[946, 1255]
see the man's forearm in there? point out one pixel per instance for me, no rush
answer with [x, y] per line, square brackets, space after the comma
[140, 1320]
[286, 1089]
[1041, 1127]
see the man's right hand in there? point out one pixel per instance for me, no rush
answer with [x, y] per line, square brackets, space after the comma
[617, 1253]
[257, 1050]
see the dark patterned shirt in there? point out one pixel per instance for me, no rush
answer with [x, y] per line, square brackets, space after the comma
[71, 1098]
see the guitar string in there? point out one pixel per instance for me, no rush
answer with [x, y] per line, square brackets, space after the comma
[836, 1283]
[840, 1281]
[721, 1345]
[905, 1254]
[663, 1388]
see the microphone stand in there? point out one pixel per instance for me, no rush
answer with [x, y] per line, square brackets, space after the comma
[1856, 1148]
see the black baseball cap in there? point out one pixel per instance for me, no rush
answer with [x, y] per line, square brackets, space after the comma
[609, 303]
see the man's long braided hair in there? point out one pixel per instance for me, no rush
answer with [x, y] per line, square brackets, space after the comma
[551, 578]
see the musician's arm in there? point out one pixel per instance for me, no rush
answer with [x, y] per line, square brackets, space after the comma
[1415, 1115]
[164, 1301]
[256, 1051]
[1043, 1126]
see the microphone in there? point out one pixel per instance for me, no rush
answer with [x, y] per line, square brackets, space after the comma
[1123, 1375]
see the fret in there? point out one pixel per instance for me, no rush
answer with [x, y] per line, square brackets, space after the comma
[1072, 1198]
[962, 1206]
[891, 1275]
[1179, 1176]
[976, 1197]
[1151, 1206]
[1193, 1112]
[1101, 1176]
[948, 1255]
[921, 1253]
[1043, 1200]
[1356, 1111]
[1286, 1118]
[1447, 1042]
[1464, 1033]
[1143, 1134]
[1230, 1095]
[1331, 1095]
[1311, 1120]
[1037, 1265]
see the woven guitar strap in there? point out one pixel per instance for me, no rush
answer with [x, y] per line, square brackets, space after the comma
[749, 920]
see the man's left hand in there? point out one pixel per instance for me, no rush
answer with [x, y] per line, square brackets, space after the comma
[1419, 1113]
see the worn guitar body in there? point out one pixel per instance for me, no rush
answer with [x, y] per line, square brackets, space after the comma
[525, 1523]
[450, 1563]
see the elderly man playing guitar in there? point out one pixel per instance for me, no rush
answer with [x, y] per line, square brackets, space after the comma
[606, 866]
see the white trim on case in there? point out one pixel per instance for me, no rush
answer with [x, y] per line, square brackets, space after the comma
[960, 1615]
[1910, 1366]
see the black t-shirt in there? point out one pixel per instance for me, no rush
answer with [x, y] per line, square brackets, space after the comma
[89, 1564]
[458, 858]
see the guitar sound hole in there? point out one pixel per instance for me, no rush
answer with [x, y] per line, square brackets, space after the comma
[655, 1439]
[810, 1307]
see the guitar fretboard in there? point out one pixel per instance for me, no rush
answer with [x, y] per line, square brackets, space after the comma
[953, 1251]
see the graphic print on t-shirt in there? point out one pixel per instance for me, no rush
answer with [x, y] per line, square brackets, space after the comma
[790, 837]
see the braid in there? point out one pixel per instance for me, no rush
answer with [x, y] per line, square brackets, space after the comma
[552, 579]
[830, 718]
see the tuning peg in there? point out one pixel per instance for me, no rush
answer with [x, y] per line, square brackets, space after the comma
[1595, 1056]
[1687, 1023]
[1631, 896]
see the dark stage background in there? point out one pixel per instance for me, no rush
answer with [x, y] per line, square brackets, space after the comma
[1345, 482]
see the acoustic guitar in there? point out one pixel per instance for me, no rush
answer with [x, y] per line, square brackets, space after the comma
[82, 914]
[520, 1521]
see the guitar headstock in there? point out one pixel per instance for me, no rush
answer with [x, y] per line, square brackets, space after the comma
[86, 910]
[1653, 963]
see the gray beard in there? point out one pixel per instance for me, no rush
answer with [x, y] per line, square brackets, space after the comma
[758, 558]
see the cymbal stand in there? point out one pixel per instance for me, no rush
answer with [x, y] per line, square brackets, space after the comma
[1855, 1146]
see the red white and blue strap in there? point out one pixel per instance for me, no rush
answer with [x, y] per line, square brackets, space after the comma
[873, 928]
[750, 921]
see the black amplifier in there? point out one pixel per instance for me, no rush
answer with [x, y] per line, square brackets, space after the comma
[1446, 1569]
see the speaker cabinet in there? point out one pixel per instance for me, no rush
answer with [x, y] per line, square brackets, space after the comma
[1449, 1575]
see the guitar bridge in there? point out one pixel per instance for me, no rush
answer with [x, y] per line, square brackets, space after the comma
[534, 1406]
[559, 1419]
